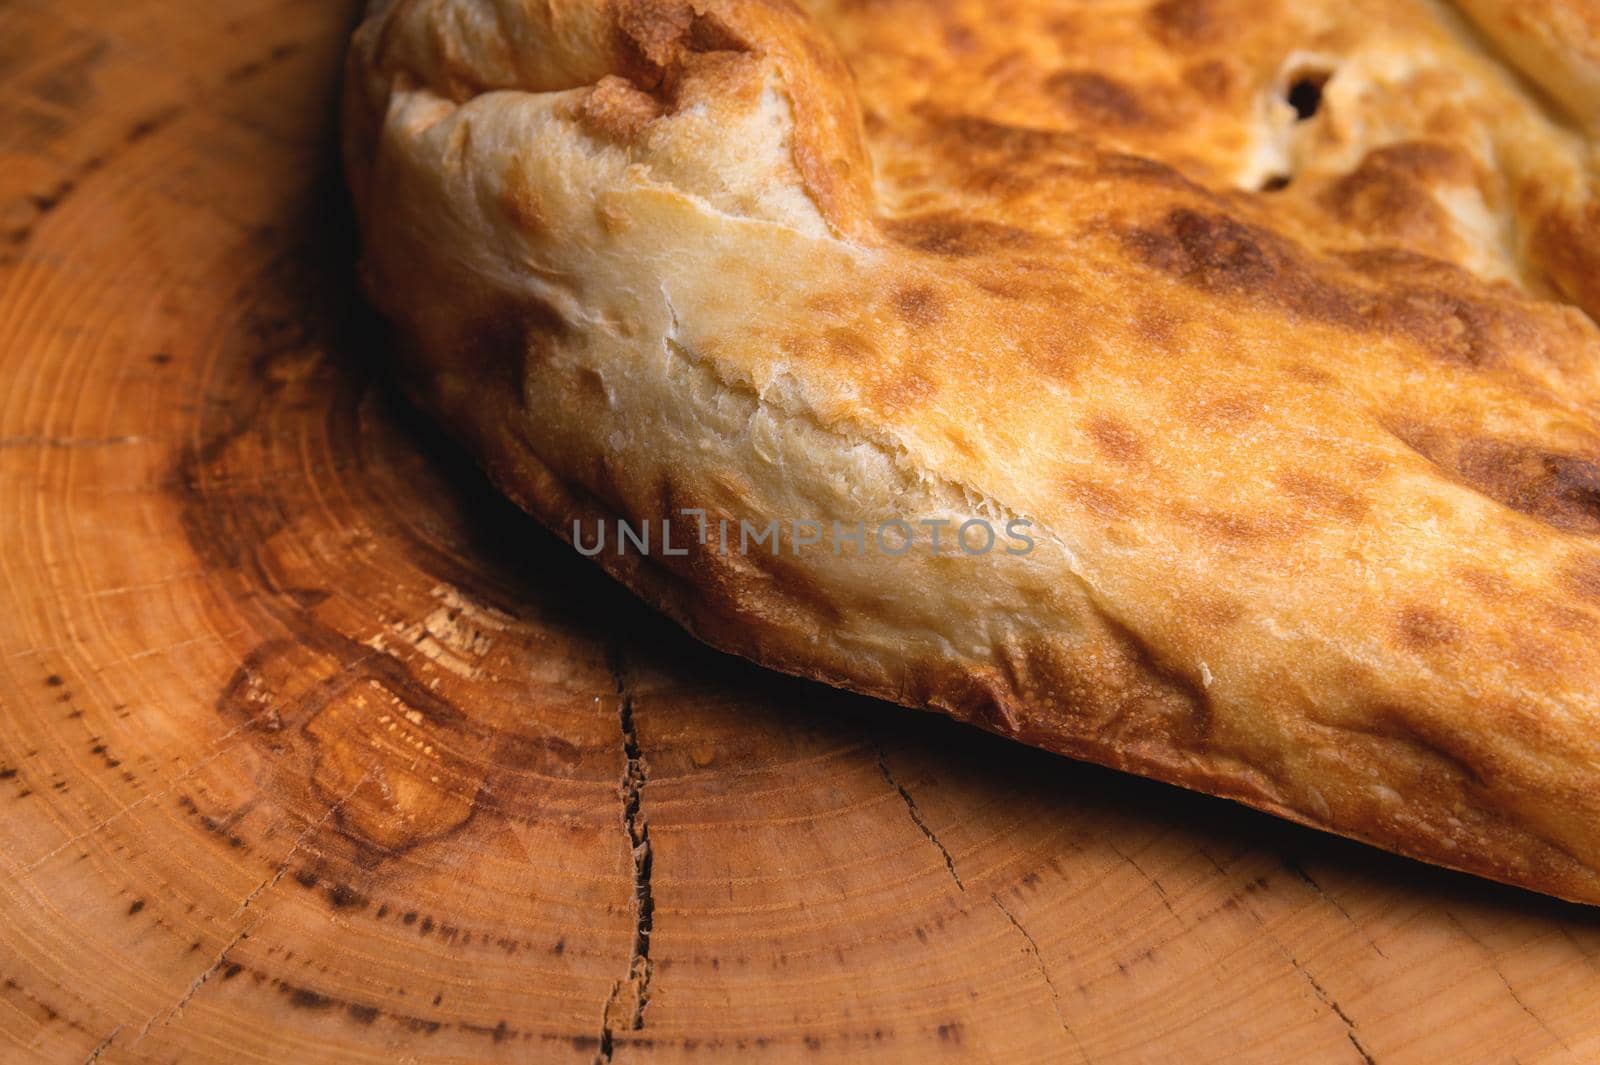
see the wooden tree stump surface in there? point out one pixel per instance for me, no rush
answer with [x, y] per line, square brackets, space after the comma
[311, 748]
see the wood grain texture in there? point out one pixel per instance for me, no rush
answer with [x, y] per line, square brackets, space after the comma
[311, 748]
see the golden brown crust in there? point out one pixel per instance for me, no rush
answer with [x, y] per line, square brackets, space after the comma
[1309, 439]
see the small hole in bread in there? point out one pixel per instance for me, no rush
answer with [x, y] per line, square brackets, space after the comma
[1305, 92]
[1274, 182]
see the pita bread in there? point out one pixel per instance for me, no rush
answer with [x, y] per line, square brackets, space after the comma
[1275, 320]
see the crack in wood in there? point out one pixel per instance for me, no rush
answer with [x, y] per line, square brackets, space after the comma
[294, 848]
[1494, 967]
[196, 984]
[105, 822]
[917, 818]
[1317, 989]
[1293, 865]
[1161, 892]
[636, 826]
[103, 1046]
[1329, 1001]
[272, 881]
[1044, 971]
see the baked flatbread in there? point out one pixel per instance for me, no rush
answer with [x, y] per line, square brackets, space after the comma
[1271, 323]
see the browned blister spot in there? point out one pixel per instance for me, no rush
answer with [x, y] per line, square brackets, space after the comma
[1216, 611]
[1097, 98]
[1566, 242]
[1309, 374]
[961, 135]
[1452, 327]
[1582, 578]
[1184, 24]
[1222, 412]
[1143, 169]
[1561, 490]
[1486, 583]
[1322, 493]
[1558, 488]
[1095, 498]
[1224, 256]
[1390, 194]
[1224, 527]
[842, 342]
[520, 199]
[1116, 440]
[918, 305]
[1156, 326]
[904, 390]
[1215, 79]
[1559, 616]
[1420, 628]
[948, 233]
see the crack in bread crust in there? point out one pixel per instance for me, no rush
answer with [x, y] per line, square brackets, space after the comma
[1313, 468]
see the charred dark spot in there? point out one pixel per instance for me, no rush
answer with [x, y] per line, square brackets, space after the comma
[1420, 629]
[161, 358]
[54, 680]
[306, 878]
[7, 773]
[947, 233]
[233, 969]
[135, 907]
[1097, 98]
